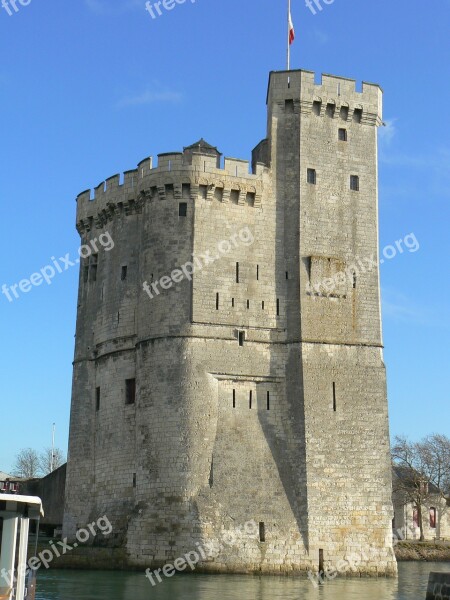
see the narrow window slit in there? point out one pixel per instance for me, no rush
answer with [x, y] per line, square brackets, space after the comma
[130, 391]
[262, 532]
[334, 397]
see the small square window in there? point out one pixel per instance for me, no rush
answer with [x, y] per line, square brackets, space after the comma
[354, 183]
[130, 391]
[182, 209]
[311, 176]
[342, 135]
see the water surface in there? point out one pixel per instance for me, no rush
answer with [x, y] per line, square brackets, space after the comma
[104, 585]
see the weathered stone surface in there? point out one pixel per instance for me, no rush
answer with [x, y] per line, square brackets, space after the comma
[313, 465]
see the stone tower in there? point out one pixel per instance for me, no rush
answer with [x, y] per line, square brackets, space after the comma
[254, 389]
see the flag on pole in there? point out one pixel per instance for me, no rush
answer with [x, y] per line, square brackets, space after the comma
[291, 29]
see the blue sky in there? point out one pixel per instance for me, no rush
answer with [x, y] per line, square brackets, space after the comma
[91, 87]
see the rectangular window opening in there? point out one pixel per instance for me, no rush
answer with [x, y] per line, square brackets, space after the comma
[344, 113]
[357, 115]
[182, 209]
[93, 268]
[134, 480]
[354, 183]
[331, 108]
[262, 532]
[432, 517]
[278, 307]
[97, 399]
[257, 272]
[234, 196]
[250, 399]
[217, 301]
[241, 338]
[342, 135]
[311, 176]
[232, 302]
[354, 281]
[334, 397]
[268, 400]
[234, 398]
[287, 275]
[248, 304]
[124, 272]
[317, 107]
[130, 391]
[262, 305]
[289, 106]
[237, 272]
[85, 274]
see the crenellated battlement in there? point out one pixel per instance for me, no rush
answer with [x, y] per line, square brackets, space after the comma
[178, 174]
[365, 106]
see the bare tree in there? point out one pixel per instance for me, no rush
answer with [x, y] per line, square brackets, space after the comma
[435, 452]
[422, 470]
[47, 463]
[27, 463]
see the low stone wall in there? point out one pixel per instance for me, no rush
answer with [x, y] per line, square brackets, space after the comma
[104, 559]
[438, 586]
[424, 551]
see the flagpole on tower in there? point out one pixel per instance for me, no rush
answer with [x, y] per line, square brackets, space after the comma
[289, 36]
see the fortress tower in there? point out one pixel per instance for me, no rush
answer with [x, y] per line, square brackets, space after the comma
[254, 390]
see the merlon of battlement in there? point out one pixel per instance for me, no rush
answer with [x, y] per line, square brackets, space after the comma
[193, 160]
[300, 85]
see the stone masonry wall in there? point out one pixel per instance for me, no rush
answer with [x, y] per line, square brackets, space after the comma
[260, 389]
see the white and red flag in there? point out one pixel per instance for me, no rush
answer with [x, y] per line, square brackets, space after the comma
[291, 29]
[291, 35]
